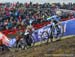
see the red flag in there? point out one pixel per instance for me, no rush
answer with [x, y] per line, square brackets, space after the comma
[4, 39]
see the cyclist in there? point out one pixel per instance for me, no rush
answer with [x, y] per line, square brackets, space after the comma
[55, 24]
[28, 34]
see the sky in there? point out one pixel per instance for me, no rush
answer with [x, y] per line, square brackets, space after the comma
[39, 1]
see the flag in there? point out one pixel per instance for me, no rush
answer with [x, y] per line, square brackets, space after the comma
[4, 39]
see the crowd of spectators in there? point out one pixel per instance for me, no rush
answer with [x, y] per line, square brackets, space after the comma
[17, 15]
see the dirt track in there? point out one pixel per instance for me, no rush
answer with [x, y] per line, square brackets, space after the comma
[61, 48]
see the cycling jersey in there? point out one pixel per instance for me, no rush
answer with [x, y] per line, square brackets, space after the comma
[55, 17]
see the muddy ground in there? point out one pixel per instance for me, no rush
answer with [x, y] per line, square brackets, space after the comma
[62, 48]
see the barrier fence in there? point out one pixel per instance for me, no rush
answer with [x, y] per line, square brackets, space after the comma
[69, 29]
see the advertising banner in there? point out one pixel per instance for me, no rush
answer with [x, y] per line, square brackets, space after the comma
[69, 29]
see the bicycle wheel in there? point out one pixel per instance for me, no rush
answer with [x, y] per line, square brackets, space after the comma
[44, 37]
[32, 40]
[60, 32]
